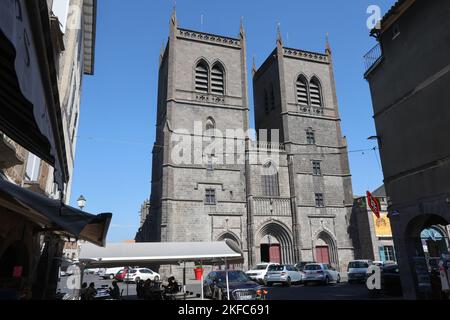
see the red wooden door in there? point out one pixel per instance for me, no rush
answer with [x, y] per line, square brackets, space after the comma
[322, 254]
[275, 253]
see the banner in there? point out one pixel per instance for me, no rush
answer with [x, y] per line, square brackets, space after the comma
[382, 225]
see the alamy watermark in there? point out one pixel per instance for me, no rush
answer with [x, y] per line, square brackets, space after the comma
[374, 279]
[374, 19]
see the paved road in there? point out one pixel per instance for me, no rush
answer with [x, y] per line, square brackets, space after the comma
[341, 291]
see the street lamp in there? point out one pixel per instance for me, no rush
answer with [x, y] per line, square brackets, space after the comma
[81, 201]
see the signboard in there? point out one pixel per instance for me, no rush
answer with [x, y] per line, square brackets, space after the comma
[374, 204]
[382, 225]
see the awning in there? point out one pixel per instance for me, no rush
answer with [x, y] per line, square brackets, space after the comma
[52, 215]
[146, 253]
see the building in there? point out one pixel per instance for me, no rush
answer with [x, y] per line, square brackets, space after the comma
[145, 210]
[372, 236]
[38, 138]
[286, 199]
[409, 75]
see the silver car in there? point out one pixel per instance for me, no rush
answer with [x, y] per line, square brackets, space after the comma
[320, 272]
[285, 274]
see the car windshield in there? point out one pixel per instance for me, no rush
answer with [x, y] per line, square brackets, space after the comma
[260, 267]
[233, 276]
[312, 267]
[358, 264]
[276, 268]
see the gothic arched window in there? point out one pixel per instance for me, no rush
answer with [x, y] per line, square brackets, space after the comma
[201, 77]
[270, 180]
[217, 79]
[315, 93]
[302, 90]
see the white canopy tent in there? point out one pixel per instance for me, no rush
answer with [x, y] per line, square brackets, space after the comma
[146, 253]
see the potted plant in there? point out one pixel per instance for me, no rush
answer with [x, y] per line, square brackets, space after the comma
[198, 270]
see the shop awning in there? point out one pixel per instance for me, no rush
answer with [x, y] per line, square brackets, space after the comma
[54, 216]
[148, 253]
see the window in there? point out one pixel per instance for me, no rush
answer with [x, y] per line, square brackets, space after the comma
[266, 102]
[316, 168]
[210, 196]
[310, 137]
[210, 124]
[270, 180]
[201, 77]
[33, 166]
[389, 254]
[272, 98]
[217, 80]
[319, 200]
[315, 93]
[209, 164]
[302, 91]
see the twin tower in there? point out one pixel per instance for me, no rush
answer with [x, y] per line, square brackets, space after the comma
[291, 206]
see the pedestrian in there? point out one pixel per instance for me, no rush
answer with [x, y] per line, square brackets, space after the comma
[83, 291]
[140, 289]
[91, 292]
[114, 292]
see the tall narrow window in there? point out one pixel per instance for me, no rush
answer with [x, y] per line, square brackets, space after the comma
[201, 77]
[217, 80]
[310, 136]
[266, 102]
[319, 200]
[317, 171]
[302, 91]
[210, 124]
[272, 97]
[270, 181]
[315, 93]
[210, 196]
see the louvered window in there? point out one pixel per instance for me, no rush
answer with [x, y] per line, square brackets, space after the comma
[271, 186]
[302, 91]
[201, 77]
[315, 94]
[217, 80]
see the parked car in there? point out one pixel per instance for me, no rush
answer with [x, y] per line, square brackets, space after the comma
[301, 265]
[258, 272]
[120, 276]
[390, 281]
[134, 275]
[320, 272]
[241, 286]
[357, 270]
[285, 274]
[109, 273]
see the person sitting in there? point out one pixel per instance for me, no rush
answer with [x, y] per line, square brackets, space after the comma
[91, 292]
[172, 286]
[114, 292]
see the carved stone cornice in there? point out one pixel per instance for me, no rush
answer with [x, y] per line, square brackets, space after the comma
[209, 38]
[306, 55]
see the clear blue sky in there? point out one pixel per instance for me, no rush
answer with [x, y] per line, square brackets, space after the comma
[117, 120]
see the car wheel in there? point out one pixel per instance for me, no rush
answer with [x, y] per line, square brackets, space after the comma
[137, 279]
[338, 279]
[288, 282]
[156, 278]
[111, 276]
[327, 281]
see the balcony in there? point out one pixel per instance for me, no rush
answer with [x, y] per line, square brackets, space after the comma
[372, 58]
[268, 206]
[9, 152]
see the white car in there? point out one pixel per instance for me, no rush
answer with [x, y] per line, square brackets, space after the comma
[285, 274]
[320, 272]
[135, 275]
[109, 273]
[258, 272]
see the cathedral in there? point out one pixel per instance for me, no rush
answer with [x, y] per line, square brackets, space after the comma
[282, 195]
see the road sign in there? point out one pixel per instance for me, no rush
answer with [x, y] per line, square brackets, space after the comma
[374, 204]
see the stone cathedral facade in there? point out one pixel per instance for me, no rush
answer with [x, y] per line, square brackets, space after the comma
[292, 205]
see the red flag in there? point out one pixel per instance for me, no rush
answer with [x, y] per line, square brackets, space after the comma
[374, 204]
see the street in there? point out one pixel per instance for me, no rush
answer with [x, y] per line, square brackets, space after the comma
[333, 291]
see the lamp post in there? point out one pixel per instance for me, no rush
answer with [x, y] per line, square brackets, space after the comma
[81, 201]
